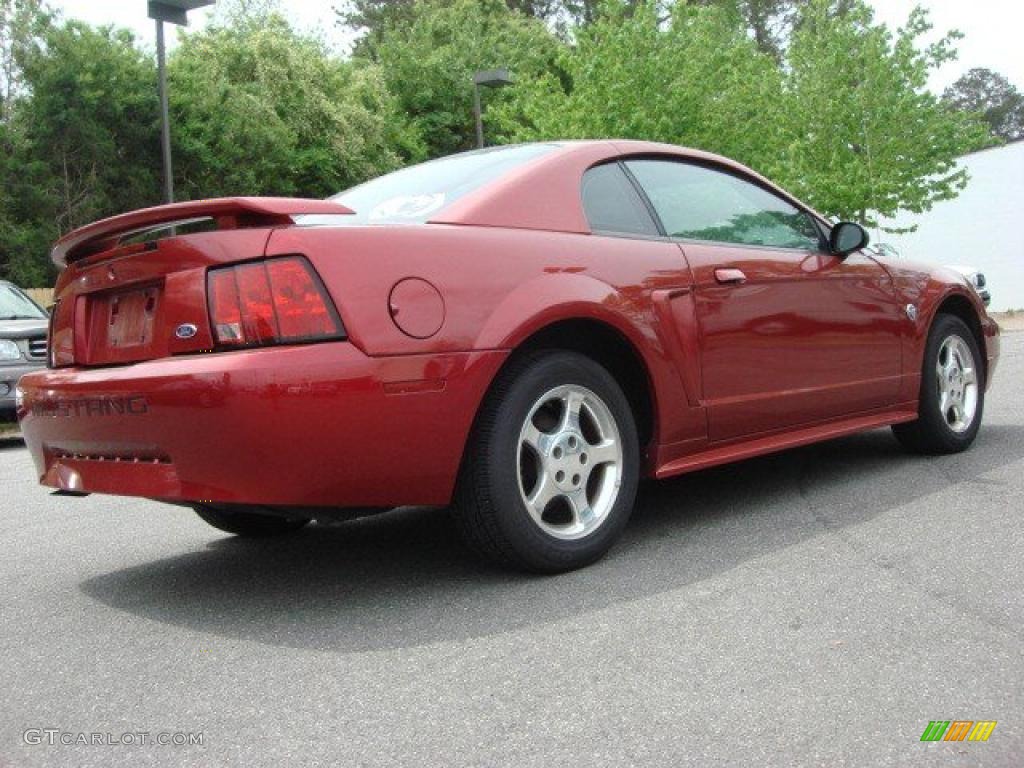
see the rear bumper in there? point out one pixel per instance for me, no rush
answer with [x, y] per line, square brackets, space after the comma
[319, 425]
[9, 377]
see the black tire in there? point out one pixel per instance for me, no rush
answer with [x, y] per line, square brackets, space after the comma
[489, 508]
[931, 433]
[248, 524]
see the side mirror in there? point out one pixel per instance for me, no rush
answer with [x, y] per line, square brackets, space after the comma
[847, 237]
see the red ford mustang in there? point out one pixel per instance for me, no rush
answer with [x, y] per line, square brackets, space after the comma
[522, 331]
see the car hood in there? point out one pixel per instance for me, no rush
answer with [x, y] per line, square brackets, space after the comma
[23, 329]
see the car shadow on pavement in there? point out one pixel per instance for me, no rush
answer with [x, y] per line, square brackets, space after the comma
[403, 579]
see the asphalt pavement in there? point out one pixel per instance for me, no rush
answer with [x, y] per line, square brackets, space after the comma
[817, 607]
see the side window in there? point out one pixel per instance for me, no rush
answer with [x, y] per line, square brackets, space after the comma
[699, 203]
[612, 203]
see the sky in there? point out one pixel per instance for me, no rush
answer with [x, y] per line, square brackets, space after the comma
[991, 27]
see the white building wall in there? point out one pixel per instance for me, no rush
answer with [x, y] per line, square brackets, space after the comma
[983, 227]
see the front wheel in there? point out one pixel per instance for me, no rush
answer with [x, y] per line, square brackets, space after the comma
[250, 524]
[952, 396]
[550, 473]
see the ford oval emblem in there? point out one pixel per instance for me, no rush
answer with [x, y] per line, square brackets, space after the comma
[186, 331]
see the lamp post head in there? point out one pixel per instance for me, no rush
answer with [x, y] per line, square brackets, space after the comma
[492, 78]
[175, 11]
[488, 78]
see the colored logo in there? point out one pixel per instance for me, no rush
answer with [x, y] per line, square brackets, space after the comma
[958, 730]
[186, 331]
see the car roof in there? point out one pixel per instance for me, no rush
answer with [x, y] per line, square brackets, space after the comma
[544, 193]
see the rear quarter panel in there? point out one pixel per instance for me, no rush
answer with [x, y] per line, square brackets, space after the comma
[501, 285]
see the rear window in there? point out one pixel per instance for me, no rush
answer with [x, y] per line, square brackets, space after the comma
[413, 195]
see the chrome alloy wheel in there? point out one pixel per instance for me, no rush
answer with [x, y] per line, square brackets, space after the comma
[957, 380]
[570, 462]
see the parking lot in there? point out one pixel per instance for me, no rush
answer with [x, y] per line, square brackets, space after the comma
[816, 607]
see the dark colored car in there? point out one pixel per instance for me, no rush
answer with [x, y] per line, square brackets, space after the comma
[23, 325]
[522, 331]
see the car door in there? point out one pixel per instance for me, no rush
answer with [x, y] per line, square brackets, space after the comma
[790, 333]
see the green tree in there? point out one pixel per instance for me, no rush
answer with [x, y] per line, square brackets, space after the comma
[82, 141]
[260, 109]
[26, 224]
[768, 21]
[992, 97]
[429, 63]
[92, 119]
[771, 23]
[22, 23]
[697, 80]
[372, 18]
[865, 135]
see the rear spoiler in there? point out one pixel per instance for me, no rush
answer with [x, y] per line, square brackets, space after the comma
[229, 212]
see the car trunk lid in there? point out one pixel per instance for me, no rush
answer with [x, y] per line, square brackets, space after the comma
[134, 287]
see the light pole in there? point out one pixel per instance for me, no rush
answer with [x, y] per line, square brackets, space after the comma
[490, 78]
[173, 12]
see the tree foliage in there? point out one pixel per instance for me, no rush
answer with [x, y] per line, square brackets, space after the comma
[22, 23]
[992, 97]
[261, 109]
[865, 135]
[769, 22]
[92, 121]
[83, 146]
[697, 80]
[428, 63]
[372, 18]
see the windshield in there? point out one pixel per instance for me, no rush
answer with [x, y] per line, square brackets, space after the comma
[15, 305]
[413, 195]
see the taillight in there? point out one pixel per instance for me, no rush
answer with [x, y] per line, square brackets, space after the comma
[301, 307]
[222, 296]
[259, 319]
[277, 301]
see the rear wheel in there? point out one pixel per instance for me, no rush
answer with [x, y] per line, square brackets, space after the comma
[246, 523]
[952, 395]
[550, 474]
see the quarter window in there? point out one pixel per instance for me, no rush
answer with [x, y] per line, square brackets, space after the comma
[612, 203]
[699, 203]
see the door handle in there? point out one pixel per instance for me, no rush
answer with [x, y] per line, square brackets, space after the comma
[730, 276]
